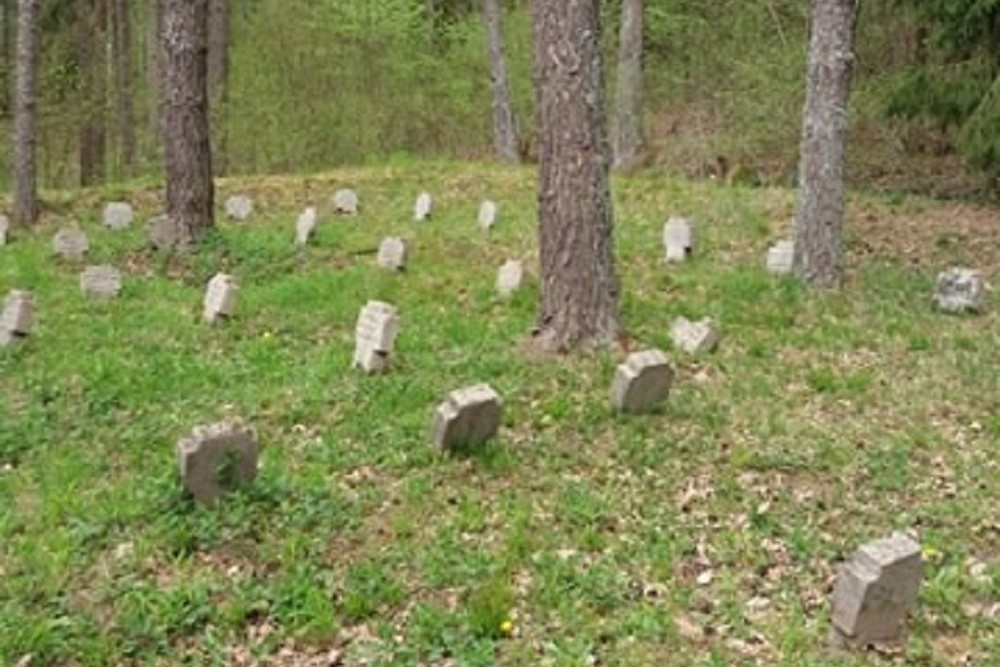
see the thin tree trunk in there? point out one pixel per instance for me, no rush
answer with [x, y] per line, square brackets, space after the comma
[25, 209]
[123, 80]
[579, 286]
[504, 128]
[818, 256]
[628, 117]
[218, 76]
[91, 32]
[190, 192]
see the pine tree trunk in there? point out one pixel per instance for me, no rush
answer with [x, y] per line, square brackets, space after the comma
[91, 33]
[218, 76]
[25, 209]
[628, 117]
[579, 286]
[190, 191]
[504, 128]
[122, 44]
[819, 220]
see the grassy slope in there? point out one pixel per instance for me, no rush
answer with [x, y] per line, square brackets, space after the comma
[822, 421]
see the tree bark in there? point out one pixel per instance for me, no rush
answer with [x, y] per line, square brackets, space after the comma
[504, 128]
[190, 191]
[579, 286]
[627, 136]
[25, 209]
[91, 34]
[818, 256]
[123, 79]
[218, 75]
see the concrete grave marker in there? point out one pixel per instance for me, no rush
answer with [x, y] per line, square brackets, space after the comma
[305, 226]
[678, 239]
[958, 290]
[117, 215]
[70, 244]
[4, 229]
[161, 233]
[422, 207]
[874, 592]
[217, 458]
[694, 337]
[220, 297]
[18, 316]
[510, 276]
[392, 254]
[345, 201]
[779, 258]
[101, 281]
[641, 382]
[487, 214]
[239, 208]
[375, 335]
[468, 417]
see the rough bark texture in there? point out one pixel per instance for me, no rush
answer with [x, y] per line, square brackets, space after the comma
[627, 138]
[579, 287]
[91, 35]
[819, 251]
[188, 152]
[218, 75]
[25, 110]
[504, 129]
[123, 83]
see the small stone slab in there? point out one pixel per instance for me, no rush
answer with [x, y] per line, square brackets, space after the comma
[468, 417]
[4, 229]
[161, 233]
[392, 254]
[510, 276]
[239, 208]
[678, 239]
[422, 207]
[70, 244]
[375, 336]
[641, 382]
[958, 290]
[217, 458]
[487, 214]
[875, 591]
[101, 281]
[18, 316]
[694, 337]
[780, 257]
[345, 201]
[305, 226]
[118, 215]
[220, 297]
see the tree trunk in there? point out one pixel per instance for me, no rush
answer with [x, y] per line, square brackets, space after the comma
[91, 31]
[218, 75]
[579, 286]
[25, 113]
[123, 79]
[818, 257]
[190, 191]
[504, 129]
[628, 101]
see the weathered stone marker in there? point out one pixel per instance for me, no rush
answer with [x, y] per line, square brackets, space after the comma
[220, 297]
[374, 336]
[874, 592]
[468, 417]
[678, 239]
[345, 201]
[117, 215]
[958, 290]
[70, 244]
[694, 337]
[305, 226]
[779, 258]
[392, 254]
[18, 316]
[239, 208]
[510, 276]
[422, 207]
[487, 214]
[4, 229]
[641, 382]
[101, 281]
[161, 233]
[217, 458]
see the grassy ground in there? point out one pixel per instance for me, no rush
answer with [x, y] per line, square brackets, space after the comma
[706, 534]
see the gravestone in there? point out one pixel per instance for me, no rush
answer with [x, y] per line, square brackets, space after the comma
[220, 297]
[70, 244]
[779, 258]
[422, 207]
[118, 215]
[468, 417]
[694, 337]
[217, 458]
[18, 316]
[678, 239]
[345, 201]
[392, 254]
[101, 281]
[958, 290]
[305, 226]
[874, 592]
[161, 233]
[4, 229]
[641, 382]
[510, 276]
[374, 335]
[239, 208]
[487, 214]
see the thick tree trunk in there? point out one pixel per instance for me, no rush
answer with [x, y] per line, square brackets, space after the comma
[579, 286]
[627, 136]
[819, 220]
[218, 75]
[25, 209]
[190, 192]
[504, 128]
[123, 82]
[91, 34]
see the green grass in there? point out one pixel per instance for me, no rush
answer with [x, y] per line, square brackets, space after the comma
[823, 420]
